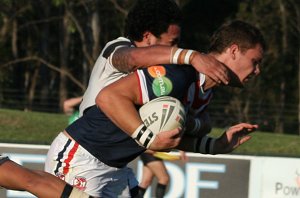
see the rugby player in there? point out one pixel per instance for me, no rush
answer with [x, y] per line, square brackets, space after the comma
[93, 145]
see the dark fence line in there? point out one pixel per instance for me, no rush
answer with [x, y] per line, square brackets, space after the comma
[222, 115]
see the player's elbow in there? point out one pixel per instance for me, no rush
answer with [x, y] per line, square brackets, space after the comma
[105, 99]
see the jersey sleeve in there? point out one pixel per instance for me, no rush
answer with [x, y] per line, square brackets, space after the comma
[112, 47]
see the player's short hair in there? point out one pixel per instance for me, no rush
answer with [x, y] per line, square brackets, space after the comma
[245, 35]
[154, 16]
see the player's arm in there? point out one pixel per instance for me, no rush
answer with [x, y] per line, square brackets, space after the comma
[15, 177]
[127, 59]
[118, 101]
[69, 104]
[226, 143]
[198, 125]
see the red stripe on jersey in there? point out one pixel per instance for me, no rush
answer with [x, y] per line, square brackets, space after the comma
[70, 157]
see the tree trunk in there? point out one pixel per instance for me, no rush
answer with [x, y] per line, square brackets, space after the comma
[64, 43]
[279, 128]
[297, 11]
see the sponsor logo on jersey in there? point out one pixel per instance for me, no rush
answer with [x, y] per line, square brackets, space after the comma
[156, 71]
[161, 85]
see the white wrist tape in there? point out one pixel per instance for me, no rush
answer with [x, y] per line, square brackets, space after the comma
[176, 56]
[187, 57]
[143, 136]
[171, 54]
[137, 130]
[180, 56]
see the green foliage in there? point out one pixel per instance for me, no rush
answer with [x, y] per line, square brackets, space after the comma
[58, 3]
[42, 128]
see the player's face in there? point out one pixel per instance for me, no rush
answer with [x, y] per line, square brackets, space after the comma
[248, 63]
[169, 38]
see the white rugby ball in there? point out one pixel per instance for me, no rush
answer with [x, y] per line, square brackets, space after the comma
[163, 114]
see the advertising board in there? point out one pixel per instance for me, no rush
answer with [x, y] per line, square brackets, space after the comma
[202, 176]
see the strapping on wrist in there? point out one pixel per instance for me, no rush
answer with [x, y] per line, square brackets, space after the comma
[181, 56]
[205, 145]
[143, 136]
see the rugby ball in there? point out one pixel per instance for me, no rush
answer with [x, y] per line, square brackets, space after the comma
[163, 114]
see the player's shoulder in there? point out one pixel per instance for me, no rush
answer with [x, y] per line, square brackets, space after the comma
[118, 42]
[111, 46]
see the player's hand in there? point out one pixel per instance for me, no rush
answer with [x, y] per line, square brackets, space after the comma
[234, 137]
[166, 140]
[211, 67]
[183, 156]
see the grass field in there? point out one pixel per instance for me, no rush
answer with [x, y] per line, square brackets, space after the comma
[41, 128]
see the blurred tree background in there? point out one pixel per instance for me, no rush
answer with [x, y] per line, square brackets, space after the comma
[48, 49]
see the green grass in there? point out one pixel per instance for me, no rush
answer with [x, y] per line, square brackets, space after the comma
[268, 144]
[41, 128]
[30, 127]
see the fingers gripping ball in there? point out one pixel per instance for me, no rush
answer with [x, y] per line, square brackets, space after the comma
[163, 114]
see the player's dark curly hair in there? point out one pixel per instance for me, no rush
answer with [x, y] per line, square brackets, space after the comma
[245, 35]
[154, 16]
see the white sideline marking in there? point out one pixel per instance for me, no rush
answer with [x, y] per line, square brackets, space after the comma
[27, 146]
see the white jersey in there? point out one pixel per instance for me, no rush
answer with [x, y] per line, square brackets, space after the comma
[103, 73]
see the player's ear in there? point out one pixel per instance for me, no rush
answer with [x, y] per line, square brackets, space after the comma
[147, 36]
[233, 50]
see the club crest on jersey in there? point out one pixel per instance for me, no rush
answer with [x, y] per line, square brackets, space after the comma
[80, 183]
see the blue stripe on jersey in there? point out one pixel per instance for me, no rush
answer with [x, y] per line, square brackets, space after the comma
[60, 156]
